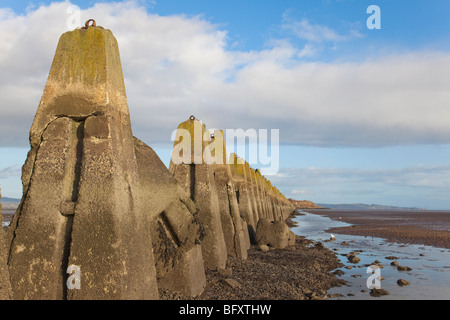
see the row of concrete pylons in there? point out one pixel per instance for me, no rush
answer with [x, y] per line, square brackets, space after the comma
[101, 216]
[231, 196]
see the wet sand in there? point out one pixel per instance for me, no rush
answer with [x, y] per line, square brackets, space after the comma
[410, 227]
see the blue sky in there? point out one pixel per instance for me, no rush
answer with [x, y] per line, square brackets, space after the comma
[363, 114]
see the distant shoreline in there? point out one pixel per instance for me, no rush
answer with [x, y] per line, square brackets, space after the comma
[426, 227]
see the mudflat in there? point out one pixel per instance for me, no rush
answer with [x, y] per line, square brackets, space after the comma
[410, 227]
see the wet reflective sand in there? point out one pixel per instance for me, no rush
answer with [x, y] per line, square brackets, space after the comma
[429, 276]
[411, 227]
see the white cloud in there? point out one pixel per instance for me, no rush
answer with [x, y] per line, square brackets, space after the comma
[175, 66]
[313, 32]
[11, 171]
[302, 192]
[421, 186]
[317, 33]
[437, 177]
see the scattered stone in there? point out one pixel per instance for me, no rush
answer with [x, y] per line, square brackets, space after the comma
[402, 282]
[354, 259]
[379, 292]
[232, 283]
[225, 272]
[275, 234]
[338, 272]
[319, 295]
[391, 258]
[319, 244]
[345, 243]
[264, 248]
[394, 263]
[403, 268]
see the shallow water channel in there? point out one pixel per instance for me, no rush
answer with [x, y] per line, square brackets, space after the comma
[429, 278]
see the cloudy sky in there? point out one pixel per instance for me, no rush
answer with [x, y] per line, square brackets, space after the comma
[363, 114]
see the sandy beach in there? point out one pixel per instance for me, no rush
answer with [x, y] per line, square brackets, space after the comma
[410, 227]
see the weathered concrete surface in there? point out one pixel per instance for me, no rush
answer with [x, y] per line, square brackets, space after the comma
[81, 203]
[256, 192]
[274, 234]
[97, 198]
[244, 194]
[197, 179]
[232, 225]
[5, 285]
[175, 230]
[245, 197]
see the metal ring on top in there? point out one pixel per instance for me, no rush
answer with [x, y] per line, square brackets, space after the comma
[86, 25]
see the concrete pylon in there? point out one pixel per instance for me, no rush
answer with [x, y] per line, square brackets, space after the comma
[270, 199]
[244, 194]
[82, 209]
[175, 231]
[232, 224]
[264, 197]
[188, 167]
[257, 193]
[253, 194]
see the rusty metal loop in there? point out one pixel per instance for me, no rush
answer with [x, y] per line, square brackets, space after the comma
[191, 118]
[86, 25]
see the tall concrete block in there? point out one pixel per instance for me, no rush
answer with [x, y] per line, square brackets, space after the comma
[244, 194]
[257, 193]
[254, 198]
[265, 196]
[232, 226]
[197, 179]
[175, 230]
[270, 198]
[82, 203]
